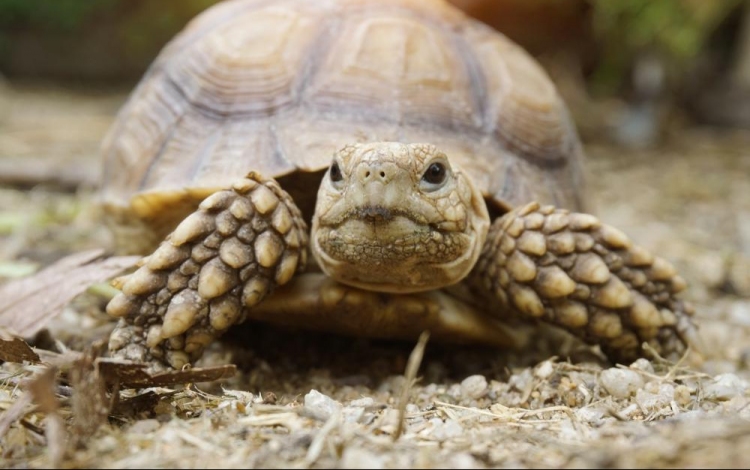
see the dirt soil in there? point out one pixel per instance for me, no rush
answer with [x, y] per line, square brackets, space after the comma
[312, 400]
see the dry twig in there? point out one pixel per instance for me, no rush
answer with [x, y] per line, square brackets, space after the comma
[412, 366]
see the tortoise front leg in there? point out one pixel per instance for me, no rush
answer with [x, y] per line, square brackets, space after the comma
[225, 257]
[587, 277]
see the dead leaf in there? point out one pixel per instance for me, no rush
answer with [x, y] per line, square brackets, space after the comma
[29, 303]
[14, 349]
[90, 403]
[42, 390]
[134, 375]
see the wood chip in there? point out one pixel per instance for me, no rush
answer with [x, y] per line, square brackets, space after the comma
[134, 375]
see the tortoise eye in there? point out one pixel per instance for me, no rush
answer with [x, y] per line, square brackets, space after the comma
[435, 173]
[335, 171]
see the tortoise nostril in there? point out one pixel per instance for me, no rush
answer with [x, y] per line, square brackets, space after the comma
[373, 173]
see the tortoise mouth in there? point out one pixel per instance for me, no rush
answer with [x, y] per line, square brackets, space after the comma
[374, 213]
[390, 239]
[390, 253]
[381, 215]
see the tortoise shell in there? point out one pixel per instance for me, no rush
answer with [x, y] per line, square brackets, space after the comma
[278, 86]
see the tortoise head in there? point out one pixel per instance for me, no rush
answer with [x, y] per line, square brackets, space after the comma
[395, 217]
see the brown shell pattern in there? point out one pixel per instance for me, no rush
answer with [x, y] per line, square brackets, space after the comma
[276, 86]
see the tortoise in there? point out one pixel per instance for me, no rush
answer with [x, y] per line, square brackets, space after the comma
[449, 178]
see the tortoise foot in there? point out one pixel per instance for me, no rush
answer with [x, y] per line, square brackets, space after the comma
[572, 270]
[222, 259]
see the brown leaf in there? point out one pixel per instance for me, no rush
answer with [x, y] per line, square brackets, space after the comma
[90, 403]
[29, 303]
[134, 375]
[42, 389]
[14, 349]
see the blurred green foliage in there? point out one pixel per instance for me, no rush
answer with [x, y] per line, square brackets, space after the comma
[118, 38]
[675, 30]
[61, 15]
[65, 15]
[88, 38]
[148, 28]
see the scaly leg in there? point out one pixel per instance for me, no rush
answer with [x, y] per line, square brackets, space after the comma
[225, 257]
[587, 277]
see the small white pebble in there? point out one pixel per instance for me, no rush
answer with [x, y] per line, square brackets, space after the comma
[739, 313]
[105, 444]
[521, 381]
[474, 386]
[620, 383]
[357, 457]
[275, 445]
[708, 267]
[691, 415]
[725, 387]
[567, 431]
[462, 460]
[737, 405]
[353, 414]
[643, 364]
[319, 406]
[145, 426]
[589, 415]
[446, 430]
[544, 370]
[390, 418]
[652, 387]
[364, 402]
[650, 401]
[454, 390]
[628, 411]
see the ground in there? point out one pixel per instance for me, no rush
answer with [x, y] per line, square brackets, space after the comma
[305, 400]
